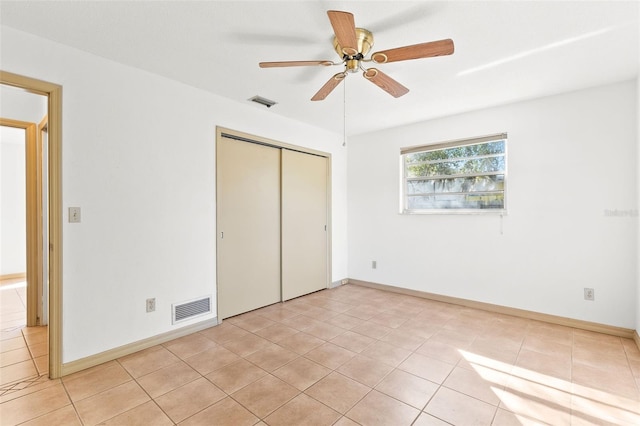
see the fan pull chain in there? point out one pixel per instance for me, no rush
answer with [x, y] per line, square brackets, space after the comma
[344, 113]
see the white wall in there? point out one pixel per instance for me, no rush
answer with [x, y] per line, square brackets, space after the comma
[638, 204]
[571, 158]
[13, 219]
[139, 159]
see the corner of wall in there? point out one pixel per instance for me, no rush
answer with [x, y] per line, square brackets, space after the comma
[636, 337]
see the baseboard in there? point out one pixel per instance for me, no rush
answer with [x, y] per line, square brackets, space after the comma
[111, 354]
[339, 283]
[521, 313]
[16, 276]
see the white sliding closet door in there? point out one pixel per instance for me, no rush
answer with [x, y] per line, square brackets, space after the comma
[248, 222]
[304, 224]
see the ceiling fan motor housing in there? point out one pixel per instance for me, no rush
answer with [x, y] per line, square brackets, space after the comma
[364, 44]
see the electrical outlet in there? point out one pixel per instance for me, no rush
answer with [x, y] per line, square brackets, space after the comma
[589, 294]
[151, 304]
[374, 264]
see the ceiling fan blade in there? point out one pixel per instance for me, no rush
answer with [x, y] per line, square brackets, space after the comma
[385, 82]
[416, 51]
[329, 86]
[344, 27]
[293, 64]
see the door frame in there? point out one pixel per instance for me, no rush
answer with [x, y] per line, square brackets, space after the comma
[42, 314]
[249, 138]
[53, 92]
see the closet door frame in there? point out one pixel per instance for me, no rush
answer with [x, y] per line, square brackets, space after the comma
[249, 138]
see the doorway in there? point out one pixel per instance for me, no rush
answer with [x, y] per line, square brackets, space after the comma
[22, 213]
[24, 206]
[48, 134]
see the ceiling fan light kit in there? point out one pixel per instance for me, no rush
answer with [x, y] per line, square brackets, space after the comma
[353, 44]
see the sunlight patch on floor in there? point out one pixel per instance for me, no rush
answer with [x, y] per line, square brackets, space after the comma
[533, 396]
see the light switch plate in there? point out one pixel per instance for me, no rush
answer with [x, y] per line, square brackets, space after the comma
[74, 215]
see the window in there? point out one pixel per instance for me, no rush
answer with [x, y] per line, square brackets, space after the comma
[464, 176]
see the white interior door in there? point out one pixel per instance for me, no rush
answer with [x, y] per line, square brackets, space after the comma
[304, 224]
[248, 225]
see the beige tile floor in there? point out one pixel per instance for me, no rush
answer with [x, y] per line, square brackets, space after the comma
[23, 350]
[350, 356]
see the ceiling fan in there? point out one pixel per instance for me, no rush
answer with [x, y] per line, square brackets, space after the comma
[353, 44]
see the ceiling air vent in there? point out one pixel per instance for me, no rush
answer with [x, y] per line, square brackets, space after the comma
[191, 309]
[263, 101]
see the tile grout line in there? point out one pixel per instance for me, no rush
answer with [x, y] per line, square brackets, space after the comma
[332, 371]
[271, 373]
[17, 382]
[626, 354]
[73, 404]
[144, 390]
[33, 359]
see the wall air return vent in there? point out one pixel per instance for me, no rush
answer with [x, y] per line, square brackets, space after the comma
[187, 310]
[263, 101]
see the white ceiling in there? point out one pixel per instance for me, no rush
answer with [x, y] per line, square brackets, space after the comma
[505, 50]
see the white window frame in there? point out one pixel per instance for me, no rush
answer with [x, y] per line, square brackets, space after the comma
[404, 197]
